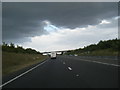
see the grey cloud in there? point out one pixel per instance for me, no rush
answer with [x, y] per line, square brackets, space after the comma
[113, 23]
[22, 20]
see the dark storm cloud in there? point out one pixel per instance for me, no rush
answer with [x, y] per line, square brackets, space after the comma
[22, 20]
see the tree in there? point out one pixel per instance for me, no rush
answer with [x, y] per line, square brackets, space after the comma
[12, 45]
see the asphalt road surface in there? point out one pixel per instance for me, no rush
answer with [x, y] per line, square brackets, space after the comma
[66, 72]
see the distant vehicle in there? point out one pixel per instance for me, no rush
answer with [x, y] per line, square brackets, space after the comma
[53, 55]
[44, 54]
[75, 55]
[59, 53]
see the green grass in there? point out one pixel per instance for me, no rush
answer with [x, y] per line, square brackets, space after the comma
[12, 62]
[105, 52]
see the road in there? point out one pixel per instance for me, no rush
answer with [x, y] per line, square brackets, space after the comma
[67, 72]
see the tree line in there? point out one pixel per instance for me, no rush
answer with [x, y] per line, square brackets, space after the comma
[113, 44]
[17, 49]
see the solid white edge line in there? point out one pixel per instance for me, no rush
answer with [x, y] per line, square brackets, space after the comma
[101, 63]
[22, 74]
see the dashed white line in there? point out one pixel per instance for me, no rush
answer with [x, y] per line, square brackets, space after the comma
[63, 62]
[70, 68]
[21, 74]
[77, 75]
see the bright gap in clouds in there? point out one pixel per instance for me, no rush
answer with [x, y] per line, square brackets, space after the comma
[105, 22]
[67, 39]
[48, 26]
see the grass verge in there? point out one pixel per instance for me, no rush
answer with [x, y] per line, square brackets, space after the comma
[12, 62]
[105, 52]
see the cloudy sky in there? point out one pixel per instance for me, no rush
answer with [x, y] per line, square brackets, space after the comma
[58, 26]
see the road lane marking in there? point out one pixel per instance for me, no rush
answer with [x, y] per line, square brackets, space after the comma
[77, 75]
[106, 63]
[70, 68]
[22, 74]
[63, 62]
[116, 65]
[101, 63]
